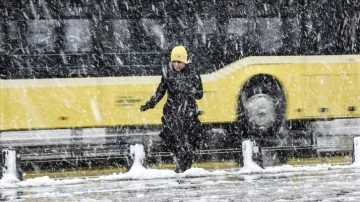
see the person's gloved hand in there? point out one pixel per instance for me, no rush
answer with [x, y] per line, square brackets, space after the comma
[148, 105]
[144, 107]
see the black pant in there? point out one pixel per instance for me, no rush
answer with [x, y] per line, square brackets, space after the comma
[182, 138]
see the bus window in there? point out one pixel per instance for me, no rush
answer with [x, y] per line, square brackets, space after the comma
[125, 35]
[270, 32]
[208, 43]
[121, 34]
[78, 35]
[237, 26]
[115, 35]
[131, 47]
[2, 43]
[155, 31]
[236, 37]
[16, 46]
[3, 59]
[179, 30]
[205, 27]
[292, 34]
[40, 36]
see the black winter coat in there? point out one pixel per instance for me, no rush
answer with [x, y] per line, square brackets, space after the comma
[183, 89]
[180, 123]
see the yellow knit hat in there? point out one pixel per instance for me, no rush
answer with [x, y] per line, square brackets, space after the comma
[179, 53]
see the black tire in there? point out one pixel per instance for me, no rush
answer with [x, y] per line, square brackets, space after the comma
[261, 109]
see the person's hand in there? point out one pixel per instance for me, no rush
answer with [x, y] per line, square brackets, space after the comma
[144, 108]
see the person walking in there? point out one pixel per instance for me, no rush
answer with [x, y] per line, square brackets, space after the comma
[181, 129]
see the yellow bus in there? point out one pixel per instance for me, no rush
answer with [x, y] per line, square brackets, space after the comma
[75, 73]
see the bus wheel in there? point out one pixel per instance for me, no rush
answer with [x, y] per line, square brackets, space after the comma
[261, 109]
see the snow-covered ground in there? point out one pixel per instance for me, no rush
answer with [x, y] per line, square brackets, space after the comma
[250, 183]
[285, 183]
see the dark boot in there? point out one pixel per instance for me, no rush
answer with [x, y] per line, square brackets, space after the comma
[179, 167]
[183, 159]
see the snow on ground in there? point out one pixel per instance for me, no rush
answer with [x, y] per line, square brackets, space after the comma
[138, 172]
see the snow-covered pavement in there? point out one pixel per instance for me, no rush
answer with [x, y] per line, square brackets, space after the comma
[285, 183]
[249, 183]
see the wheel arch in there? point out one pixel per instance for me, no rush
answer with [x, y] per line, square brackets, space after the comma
[256, 80]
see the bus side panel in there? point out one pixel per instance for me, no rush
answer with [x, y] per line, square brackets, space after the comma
[121, 105]
[52, 107]
[221, 94]
[313, 90]
[3, 106]
[348, 89]
[222, 89]
[292, 82]
[332, 90]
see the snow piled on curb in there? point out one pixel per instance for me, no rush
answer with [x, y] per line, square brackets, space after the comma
[139, 172]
